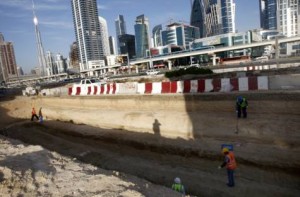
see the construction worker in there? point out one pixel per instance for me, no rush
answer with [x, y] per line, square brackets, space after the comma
[177, 186]
[230, 163]
[40, 115]
[33, 114]
[241, 106]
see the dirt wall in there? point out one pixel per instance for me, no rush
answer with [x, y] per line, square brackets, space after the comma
[210, 119]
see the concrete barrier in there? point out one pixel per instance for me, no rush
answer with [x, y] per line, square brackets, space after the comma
[241, 84]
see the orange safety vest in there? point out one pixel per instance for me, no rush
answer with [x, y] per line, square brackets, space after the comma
[231, 165]
[33, 111]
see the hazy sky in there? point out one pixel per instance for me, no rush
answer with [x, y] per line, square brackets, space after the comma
[56, 22]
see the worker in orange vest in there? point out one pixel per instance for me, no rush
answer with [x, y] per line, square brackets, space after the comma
[230, 163]
[33, 114]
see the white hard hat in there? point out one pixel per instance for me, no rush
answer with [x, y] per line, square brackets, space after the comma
[177, 180]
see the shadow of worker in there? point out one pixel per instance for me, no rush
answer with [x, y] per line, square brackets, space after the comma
[156, 128]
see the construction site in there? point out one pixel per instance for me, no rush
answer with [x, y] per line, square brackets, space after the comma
[135, 145]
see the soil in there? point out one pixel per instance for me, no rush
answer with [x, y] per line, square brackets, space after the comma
[35, 168]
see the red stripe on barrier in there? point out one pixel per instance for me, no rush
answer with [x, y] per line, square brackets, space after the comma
[114, 86]
[186, 86]
[252, 83]
[234, 82]
[165, 87]
[95, 90]
[89, 90]
[108, 88]
[102, 89]
[216, 84]
[173, 87]
[70, 91]
[148, 88]
[78, 89]
[201, 85]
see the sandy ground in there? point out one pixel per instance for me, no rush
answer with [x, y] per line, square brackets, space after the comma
[31, 170]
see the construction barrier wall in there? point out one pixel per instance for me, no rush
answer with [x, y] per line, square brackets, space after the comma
[179, 87]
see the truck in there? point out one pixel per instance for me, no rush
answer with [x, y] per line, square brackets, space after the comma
[29, 91]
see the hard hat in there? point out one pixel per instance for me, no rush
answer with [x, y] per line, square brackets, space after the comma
[239, 98]
[225, 150]
[177, 180]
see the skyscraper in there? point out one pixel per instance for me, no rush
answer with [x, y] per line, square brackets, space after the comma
[268, 14]
[127, 45]
[112, 45]
[74, 57]
[213, 17]
[50, 63]
[104, 36]
[8, 65]
[197, 17]
[142, 36]
[228, 16]
[288, 17]
[179, 35]
[40, 49]
[120, 29]
[156, 33]
[87, 32]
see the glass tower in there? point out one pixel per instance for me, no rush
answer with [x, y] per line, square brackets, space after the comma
[179, 35]
[87, 32]
[268, 14]
[120, 29]
[197, 17]
[156, 32]
[213, 17]
[142, 36]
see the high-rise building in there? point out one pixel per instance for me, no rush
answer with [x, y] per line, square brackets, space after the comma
[50, 63]
[156, 33]
[268, 14]
[127, 45]
[213, 17]
[61, 64]
[179, 35]
[112, 45]
[198, 17]
[228, 16]
[142, 36]
[8, 65]
[104, 36]
[120, 29]
[87, 32]
[41, 54]
[74, 57]
[288, 17]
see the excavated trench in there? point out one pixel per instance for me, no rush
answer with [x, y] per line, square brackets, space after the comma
[157, 159]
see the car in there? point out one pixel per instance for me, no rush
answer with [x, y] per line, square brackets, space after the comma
[262, 59]
[152, 72]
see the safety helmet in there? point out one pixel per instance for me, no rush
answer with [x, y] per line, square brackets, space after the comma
[177, 180]
[239, 98]
[225, 150]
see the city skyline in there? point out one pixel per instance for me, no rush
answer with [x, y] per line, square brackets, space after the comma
[56, 22]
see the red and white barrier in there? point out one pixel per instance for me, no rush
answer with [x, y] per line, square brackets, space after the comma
[179, 87]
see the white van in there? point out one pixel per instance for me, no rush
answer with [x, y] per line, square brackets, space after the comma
[152, 72]
[262, 58]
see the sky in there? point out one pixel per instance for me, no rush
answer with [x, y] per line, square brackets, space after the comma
[57, 29]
